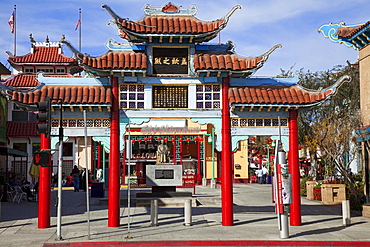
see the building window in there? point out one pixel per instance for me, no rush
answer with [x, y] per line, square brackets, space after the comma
[67, 149]
[258, 122]
[28, 70]
[79, 123]
[131, 96]
[45, 70]
[170, 97]
[208, 96]
[60, 71]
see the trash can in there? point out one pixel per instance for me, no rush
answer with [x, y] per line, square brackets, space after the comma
[269, 179]
[97, 189]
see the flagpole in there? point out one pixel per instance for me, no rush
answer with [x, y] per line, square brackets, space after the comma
[79, 31]
[15, 30]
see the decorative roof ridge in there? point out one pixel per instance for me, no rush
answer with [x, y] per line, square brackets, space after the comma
[333, 89]
[170, 9]
[76, 53]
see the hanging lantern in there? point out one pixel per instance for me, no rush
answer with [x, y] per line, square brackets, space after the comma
[200, 139]
[150, 138]
[165, 139]
[133, 141]
[253, 139]
[196, 138]
[173, 140]
[145, 139]
[139, 140]
[158, 138]
[188, 140]
[180, 140]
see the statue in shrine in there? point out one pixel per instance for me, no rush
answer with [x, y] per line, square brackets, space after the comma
[163, 154]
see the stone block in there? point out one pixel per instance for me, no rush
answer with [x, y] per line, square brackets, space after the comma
[333, 193]
[366, 210]
[309, 188]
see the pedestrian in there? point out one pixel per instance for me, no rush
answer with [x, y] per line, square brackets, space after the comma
[83, 179]
[259, 174]
[264, 174]
[99, 174]
[76, 178]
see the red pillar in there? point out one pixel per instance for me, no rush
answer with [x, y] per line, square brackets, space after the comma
[293, 161]
[44, 189]
[226, 176]
[113, 181]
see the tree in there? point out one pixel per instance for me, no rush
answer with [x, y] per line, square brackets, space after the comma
[330, 127]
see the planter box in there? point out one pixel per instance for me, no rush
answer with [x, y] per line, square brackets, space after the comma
[333, 193]
[309, 187]
[366, 210]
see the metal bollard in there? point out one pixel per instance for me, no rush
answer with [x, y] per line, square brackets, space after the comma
[187, 211]
[284, 231]
[346, 213]
[154, 213]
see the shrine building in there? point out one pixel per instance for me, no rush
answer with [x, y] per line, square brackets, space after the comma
[164, 81]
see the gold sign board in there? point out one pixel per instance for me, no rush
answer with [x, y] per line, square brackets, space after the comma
[170, 97]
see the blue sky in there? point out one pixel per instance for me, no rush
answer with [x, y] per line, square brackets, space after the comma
[254, 29]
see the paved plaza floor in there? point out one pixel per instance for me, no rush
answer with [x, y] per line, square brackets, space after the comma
[255, 222]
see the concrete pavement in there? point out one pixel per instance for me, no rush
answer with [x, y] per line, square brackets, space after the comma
[255, 222]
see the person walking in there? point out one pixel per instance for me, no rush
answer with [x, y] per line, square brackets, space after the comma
[259, 174]
[76, 178]
[264, 174]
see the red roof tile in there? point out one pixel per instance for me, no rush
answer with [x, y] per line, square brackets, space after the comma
[69, 94]
[171, 25]
[227, 61]
[117, 60]
[42, 55]
[348, 32]
[28, 80]
[275, 95]
[16, 129]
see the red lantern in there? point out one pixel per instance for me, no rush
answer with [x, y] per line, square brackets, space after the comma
[133, 141]
[200, 139]
[188, 140]
[180, 140]
[196, 139]
[145, 139]
[173, 140]
[166, 139]
[158, 138]
[253, 139]
[139, 140]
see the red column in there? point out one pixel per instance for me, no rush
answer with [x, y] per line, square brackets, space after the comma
[293, 161]
[44, 189]
[113, 180]
[226, 176]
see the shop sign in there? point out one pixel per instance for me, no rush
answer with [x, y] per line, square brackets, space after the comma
[170, 60]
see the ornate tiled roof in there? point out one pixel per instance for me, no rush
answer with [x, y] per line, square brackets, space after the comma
[169, 21]
[28, 80]
[117, 60]
[69, 94]
[292, 95]
[356, 36]
[16, 129]
[348, 32]
[225, 61]
[282, 96]
[42, 55]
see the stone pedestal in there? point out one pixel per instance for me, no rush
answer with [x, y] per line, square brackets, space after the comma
[333, 193]
[309, 188]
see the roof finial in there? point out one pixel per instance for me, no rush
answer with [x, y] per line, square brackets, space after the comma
[63, 37]
[32, 39]
[47, 38]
